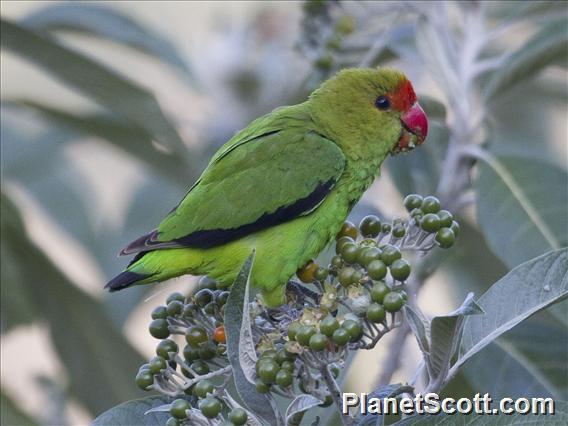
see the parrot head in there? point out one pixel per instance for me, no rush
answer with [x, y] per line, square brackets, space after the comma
[370, 111]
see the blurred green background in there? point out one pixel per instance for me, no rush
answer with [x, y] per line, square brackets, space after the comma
[111, 110]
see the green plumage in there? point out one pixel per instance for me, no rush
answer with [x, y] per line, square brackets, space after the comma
[273, 172]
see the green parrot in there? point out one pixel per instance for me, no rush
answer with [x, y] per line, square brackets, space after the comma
[283, 186]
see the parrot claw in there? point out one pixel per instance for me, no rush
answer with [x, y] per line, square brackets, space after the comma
[301, 292]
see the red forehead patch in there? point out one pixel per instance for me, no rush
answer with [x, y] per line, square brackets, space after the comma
[404, 97]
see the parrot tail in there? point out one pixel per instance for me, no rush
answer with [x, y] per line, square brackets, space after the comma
[157, 265]
[125, 279]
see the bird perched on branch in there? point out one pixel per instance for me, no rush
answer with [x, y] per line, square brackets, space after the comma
[283, 186]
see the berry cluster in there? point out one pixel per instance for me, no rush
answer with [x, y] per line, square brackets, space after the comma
[203, 365]
[301, 347]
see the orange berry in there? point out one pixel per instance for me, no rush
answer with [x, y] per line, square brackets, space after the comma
[219, 335]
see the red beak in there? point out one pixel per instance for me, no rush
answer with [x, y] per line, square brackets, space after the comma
[414, 120]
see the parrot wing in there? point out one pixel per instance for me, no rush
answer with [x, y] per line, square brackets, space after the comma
[259, 179]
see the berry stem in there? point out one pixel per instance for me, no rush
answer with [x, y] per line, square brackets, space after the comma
[333, 388]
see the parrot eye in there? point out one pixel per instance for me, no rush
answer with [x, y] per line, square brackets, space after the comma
[382, 102]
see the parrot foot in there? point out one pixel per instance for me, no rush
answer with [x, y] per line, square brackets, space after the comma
[301, 293]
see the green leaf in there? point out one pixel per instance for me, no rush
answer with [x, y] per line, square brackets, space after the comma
[104, 22]
[131, 139]
[527, 289]
[522, 206]
[445, 336]
[242, 356]
[100, 363]
[388, 391]
[559, 418]
[420, 327]
[11, 415]
[540, 344]
[134, 413]
[94, 80]
[297, 408]
[510, 374]
[544, 48]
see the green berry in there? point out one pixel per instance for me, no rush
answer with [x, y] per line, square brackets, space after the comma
[203, 297]
[175, 296]
[328, 325]
[195, 335]
[455, 227]
[430, 222]
[157, 364]
[416, 213]
[430, 205]
[393, 301]
[328, 400]
[293, 329]
[375, 313]
[269, 354]
[340, 337]
[284, 378]
[350, 252]
[398, 231]
[346, 276]
[348, 229]
[377, 269]
[412, 201]
[222, 298]
[341, 242]
[144, 379]
[238, 416]
[304, 333]
[321, 274]
[207, 351]
[210, 407]
[210, 308]
[175, 307]
[400, 269]
[334, 371]
[370, 226]
[190, 353]
[378, 291]
[368, 254]
[446, 218]
[179, 408]
[267, 371]
[202, 388]
[445, 237]
[386, 228]
[336, 261]
[160, 312]
[189, 311]
[390, 254]
[206, 282]
[165, 347]
[353, 328]
[318, 342]
[159, 328]
[262, 387]
[200, 367]
[288, 366]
